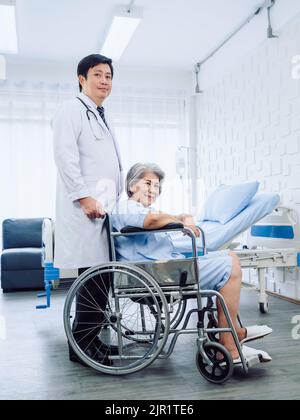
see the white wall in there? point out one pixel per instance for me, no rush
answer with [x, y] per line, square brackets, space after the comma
[19, 69]
[249, 129]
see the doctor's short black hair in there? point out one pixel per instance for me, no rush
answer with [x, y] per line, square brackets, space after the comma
[92, 61]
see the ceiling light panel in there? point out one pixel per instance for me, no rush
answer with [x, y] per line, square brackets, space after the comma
[8, 30]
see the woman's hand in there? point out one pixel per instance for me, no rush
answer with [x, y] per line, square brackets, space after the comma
[195, 229]
[189, 222]
[92, 208]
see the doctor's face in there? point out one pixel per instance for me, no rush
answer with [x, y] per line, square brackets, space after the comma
[98, 83]
[146, 190]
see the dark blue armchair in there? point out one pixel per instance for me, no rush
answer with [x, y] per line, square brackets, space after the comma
[21, 259]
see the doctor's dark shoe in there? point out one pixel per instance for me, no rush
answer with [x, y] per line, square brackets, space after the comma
[93, 353]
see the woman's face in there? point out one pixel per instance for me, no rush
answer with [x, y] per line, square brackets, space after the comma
[146, 190]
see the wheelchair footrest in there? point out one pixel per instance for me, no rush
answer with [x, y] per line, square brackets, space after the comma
[252, 360]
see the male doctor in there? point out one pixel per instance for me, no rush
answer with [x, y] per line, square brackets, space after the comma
[89, 182]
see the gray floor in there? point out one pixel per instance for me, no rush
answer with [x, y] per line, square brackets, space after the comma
[34, 362]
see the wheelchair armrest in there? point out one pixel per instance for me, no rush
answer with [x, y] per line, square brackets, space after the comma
[170, 226]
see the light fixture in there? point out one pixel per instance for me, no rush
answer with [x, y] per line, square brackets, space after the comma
[2, 68]
[270, 5]
[122, 28]
[8, 31]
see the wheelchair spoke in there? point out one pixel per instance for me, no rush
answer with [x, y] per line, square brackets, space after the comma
[86, 335]
[95, 310]
[103, 281]
[97, 305]
[89, 301]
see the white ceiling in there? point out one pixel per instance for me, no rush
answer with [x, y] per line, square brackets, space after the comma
[174, 34]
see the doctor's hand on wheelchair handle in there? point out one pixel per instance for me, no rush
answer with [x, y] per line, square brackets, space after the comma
[92, 208]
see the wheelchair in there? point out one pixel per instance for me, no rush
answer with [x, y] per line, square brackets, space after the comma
[145, 312]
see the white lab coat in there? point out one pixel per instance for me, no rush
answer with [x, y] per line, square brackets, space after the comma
[86, 167]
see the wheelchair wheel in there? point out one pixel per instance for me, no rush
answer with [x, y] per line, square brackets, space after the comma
[222, 364]
[107, 328]
[142, 331]
[140, 328]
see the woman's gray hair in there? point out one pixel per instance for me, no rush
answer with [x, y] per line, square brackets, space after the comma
[137, 172]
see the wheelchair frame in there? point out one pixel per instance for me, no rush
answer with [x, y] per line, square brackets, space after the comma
[208, 363]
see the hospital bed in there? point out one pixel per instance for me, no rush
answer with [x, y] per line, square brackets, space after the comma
[271, 239]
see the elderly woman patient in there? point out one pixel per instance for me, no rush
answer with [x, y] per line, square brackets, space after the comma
[219, 271]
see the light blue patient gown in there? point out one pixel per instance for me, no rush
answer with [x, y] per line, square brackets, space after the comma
[215, 268]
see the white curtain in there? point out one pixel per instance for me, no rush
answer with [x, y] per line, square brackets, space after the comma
[27, 170]
[150, 125]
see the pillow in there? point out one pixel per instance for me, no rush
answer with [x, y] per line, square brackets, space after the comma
[228, 201]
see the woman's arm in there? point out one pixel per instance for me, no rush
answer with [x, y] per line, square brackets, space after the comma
[186, 219]
[159, 220]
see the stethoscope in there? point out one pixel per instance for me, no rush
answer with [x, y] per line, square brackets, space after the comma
[97, 136]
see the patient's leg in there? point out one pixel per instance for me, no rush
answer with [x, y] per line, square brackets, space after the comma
[231, 294]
